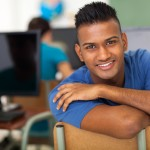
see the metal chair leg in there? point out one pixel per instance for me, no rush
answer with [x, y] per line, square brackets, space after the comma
[142, 140]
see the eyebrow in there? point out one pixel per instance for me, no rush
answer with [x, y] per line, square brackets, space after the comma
[116, 37]
[87, 44]
[105, 40]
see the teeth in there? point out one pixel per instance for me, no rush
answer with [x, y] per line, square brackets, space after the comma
[104, 65]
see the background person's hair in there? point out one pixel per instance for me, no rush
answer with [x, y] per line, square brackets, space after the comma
[39, 23]
[95, 12]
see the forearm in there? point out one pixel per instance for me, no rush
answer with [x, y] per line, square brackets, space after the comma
[139, 99]
[118, 121]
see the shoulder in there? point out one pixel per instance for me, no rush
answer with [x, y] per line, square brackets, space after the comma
[138, 54]
[55, 53]
[137, 68]
[77, 76]
[81, 75]
[138, 57]
[51, 47]
[78, 108]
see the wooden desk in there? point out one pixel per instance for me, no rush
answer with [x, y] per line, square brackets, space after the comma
[31, 105]
[20, 122]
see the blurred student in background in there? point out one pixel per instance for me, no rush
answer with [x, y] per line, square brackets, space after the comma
[53, 59]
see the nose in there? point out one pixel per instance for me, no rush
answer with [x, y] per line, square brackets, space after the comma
[103, 54]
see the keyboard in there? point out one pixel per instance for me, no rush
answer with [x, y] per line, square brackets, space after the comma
[11, 115]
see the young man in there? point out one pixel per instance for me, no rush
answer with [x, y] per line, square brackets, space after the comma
[111, 93]
[53, 59]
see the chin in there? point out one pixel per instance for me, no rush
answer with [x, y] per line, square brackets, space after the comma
[107, 76]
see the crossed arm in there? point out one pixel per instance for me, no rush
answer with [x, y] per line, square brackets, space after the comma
[123, 121]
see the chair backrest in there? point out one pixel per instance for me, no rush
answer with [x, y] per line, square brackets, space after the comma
[148, 138]
[78, 139]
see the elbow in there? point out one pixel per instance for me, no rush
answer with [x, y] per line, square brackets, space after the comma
[131, 128]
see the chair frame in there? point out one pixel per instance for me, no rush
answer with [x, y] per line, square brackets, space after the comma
[27, 127]
[60, 143]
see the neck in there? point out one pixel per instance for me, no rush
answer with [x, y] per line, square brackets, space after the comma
[114, 82]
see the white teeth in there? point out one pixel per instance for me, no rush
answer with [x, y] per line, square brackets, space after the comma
[104, 65]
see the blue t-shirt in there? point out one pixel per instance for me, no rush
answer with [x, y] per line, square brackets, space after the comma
[50, 57]
[137, 76]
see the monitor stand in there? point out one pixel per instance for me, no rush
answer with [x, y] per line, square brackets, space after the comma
[7, 105]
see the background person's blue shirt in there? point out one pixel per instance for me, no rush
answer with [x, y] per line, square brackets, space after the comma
[137, 76]
[50, 57]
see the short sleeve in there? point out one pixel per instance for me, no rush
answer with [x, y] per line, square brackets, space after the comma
[75, 112]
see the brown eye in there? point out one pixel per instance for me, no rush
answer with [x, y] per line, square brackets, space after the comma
[90, 47]
[111, 42]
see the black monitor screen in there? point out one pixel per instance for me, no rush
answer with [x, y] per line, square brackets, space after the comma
[19, 63]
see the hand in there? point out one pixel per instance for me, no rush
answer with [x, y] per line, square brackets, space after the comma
[74, 92]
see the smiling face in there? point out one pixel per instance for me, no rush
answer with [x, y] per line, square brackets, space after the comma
[101, 47]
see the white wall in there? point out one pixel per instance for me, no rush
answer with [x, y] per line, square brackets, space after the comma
[71, 8]
[6, 15]
[15, 14]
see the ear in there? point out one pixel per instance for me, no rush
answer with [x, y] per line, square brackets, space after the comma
[125, 41]
[78, 51]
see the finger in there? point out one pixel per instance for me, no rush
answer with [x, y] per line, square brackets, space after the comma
[65, 86]
[57, 96]
[63, 99]
[60, 94]
[67, 102]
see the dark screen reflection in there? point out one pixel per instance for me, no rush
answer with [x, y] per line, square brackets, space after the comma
[21, 76]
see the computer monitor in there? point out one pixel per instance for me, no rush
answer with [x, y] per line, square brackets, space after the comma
[68, 37]
[19, 63]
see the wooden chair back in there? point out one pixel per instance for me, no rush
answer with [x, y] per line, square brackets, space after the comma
[78, 139]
